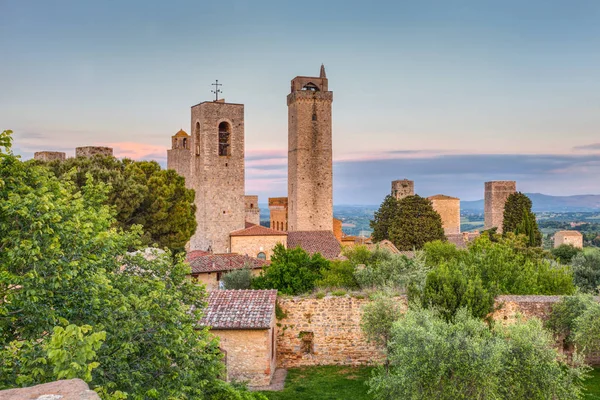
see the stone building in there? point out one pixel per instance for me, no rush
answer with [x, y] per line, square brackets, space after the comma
[257, 241]
[323, 242]
[91, 151]
[310, 176]
[449, 209]
[49, 156]
[215, 171]
[278, 210]
[252, 209]
[244, 321]
[403, 188]
[337, 229]
[208, 268]
[573, 238]
[496, 194]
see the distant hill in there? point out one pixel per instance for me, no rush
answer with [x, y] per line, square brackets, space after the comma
[544, 202]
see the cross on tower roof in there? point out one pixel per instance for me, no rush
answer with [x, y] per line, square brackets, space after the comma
[217, 90]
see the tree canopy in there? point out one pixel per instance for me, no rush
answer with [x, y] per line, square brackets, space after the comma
[408, 223]
[520, 220]
[75, 304]
[141, 193]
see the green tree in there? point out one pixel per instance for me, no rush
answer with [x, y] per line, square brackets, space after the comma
[520, 220]
[238, 279]
[292, 271]
[415, 224]
[339, 274]
[565, 252]
[141, 193]
[432, 358]
[378, 318]
[564, 314]
[384, 218]
[76, 304]
[586, 271]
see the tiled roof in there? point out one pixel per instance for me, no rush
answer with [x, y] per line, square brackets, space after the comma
[569, 233]
[191, 255]
[223, 262]
[442, 197]
[257, 230]
[323, 242]
[181, 133]
[460, 240]
[248, 224]
[240, 309]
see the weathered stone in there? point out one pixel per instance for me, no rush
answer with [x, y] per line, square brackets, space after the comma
[90, 151]
[72, 389]
[403, 188]
[496, 194]
[49, 155]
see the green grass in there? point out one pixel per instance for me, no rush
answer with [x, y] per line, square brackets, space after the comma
[324, 383]
[592, 384]
[341, 383]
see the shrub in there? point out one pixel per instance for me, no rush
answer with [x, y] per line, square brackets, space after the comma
[586, 271]
[565, 252]
[378, 317]
[564, 313]
[238, 279]
[432, 358]
[391, 271]
[586, 329]
[339, 292]
[339, 274]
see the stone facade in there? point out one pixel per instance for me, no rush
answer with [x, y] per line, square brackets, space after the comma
[70, 389]
[179, 157]
[49, 156]
[254, 245]
[496, 194]
[337, 229]
[310, 176]
[573, 238]
[403, 188]
[449, 209]
[91, 151]
[252, 210]
[215, 171]
[278, 209]
[324, 332]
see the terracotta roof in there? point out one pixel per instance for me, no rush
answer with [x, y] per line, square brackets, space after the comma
[181, 133]
[323, 242]
[442, 197]
[569, 233]
[191, 255]
[223, 262]
[460, 240]
[257, 230]
[240, 309]
[248, 224]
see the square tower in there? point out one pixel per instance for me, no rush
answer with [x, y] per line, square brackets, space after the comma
[496, 194]
[217, 173]
[310, 176]
[403, 188]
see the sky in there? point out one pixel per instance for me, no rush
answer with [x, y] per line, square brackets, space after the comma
[449, 94]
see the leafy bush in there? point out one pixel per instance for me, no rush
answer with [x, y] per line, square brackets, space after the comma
[237, 279]
[586, 330]
[339, 274]
[391, 271]
[577, 320]
[378, 317]
[432, 358]
[565, 253]
[292, 271]
[586, 271]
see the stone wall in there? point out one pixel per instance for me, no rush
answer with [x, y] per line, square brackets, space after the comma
[252, 245]
[49, 155]
[327, 331]
[403, 188]
[573, 238]
[71, 389]
[496, 194]
[90, 151]
[449, 210]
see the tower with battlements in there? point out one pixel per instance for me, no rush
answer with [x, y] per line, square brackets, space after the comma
[310, 176]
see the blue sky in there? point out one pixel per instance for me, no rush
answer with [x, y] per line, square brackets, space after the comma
[449, 94]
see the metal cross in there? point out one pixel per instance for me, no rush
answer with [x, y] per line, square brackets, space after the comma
[217, 90]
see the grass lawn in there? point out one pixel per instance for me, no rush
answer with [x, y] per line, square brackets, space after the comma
[324, 383]
[593, 385]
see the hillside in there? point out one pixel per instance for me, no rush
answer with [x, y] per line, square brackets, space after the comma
[544, 202]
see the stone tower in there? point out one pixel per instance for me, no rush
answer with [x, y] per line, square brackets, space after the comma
[449, 209]
[278, 208]
[215, 171]
[310, 174]
[252, 209]
[403, 188]
[496, 194]
[50, 156]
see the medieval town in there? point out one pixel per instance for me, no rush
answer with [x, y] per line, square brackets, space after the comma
[123, 279]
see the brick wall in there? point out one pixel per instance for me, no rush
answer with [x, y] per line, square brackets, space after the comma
[252, 245]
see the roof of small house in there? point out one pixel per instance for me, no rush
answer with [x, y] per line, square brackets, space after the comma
[192, 255]
[569, 233]
[312, 242]
[442, 197]
[240, 309]
[223, 262]
[257, 230]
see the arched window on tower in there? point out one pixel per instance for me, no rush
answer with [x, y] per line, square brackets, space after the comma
[261, 256]
[224, 139]
[311, 86]
[185, 145]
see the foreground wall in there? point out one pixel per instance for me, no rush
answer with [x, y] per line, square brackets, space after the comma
[327, 331]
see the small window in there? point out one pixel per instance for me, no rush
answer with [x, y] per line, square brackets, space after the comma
[197, 138]
[261, 256]
[314, 117]
[224, 139]
[307, 342]
[185, 143]
[311, 86]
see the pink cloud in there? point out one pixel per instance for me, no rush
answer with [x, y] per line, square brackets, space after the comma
[136, 151]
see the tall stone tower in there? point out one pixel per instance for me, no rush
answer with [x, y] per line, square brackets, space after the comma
[215, 171]
[310, 176]
[496, 194]
[403, 188]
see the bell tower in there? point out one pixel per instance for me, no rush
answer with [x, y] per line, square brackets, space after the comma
[310, 176]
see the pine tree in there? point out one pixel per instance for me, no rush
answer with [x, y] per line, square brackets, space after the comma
[520, 220]
[383, 218]
[415, 223]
